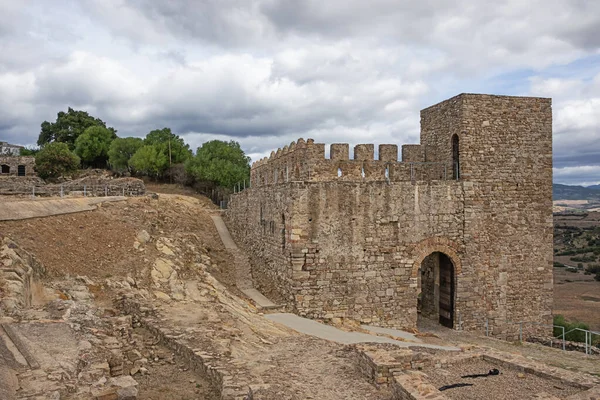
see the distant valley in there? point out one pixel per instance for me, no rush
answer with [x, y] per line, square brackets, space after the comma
[575, 198]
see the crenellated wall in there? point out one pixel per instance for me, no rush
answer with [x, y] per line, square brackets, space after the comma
[305, 161]
[358, 238]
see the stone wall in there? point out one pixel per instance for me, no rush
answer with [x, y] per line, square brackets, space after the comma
[88, 186]
[9, 166]
[18, 269]
[505, 147]
[340, 238]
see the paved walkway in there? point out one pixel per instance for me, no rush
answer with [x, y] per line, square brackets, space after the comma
[327, 332]
[16, 210]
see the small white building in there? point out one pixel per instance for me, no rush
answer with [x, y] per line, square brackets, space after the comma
[9, 149]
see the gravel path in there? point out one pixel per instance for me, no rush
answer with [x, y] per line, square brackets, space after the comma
[509, 385]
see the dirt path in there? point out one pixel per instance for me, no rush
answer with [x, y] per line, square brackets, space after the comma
[243, 273]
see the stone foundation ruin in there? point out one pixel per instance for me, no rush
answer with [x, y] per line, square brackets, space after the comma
[460, 229]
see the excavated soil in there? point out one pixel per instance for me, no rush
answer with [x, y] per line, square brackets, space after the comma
[99, 244]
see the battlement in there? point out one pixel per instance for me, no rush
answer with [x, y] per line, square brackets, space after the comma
[458, 230]
[306, 161]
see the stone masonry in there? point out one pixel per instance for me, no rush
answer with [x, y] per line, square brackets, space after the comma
[17, 166]
[461, 228]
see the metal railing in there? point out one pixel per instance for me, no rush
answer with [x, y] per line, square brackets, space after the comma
[589, 342]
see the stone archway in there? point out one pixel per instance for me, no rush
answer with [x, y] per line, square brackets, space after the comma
[435, 271]
[437, 289]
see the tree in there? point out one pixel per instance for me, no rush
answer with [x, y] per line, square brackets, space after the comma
[93, 144]
[223, 163]
[174, 147]
[28, 151]
[149, 160]
[120, 152]
[54, 160]
[68, 127]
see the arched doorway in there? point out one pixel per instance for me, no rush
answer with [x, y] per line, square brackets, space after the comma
[455, 158]
[435, 288]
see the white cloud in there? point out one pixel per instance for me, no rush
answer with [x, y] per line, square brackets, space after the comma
[265, 72]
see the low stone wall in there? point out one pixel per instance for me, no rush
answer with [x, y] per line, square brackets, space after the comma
[197, 360]
[569, 346]
[18, 184]
[89, 186]
[400, 370]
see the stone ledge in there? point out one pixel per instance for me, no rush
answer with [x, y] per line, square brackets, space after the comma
[221, 375]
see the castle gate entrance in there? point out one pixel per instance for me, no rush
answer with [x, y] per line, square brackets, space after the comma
[436, 289]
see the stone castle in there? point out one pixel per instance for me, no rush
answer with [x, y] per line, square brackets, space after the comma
[459, 231]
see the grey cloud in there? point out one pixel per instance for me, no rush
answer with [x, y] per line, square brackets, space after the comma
[266, 72]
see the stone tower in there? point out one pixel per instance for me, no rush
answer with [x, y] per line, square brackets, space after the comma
[458, 231]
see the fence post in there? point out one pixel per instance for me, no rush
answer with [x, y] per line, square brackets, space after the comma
[563, 337]
[84, 190]
[62, 192]
[487, 327]
[105, 191]
[33, 195]
[586, 342]
[520, 331]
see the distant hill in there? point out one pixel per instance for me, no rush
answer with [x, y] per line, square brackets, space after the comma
[567, 192]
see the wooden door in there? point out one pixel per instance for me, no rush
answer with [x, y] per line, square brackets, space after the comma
[446, 291]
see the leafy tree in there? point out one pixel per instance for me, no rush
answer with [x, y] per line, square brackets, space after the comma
[150, 160]
[120, 152]
[93, 144]
[223, 163]
[54, 160]
[28, 151]
[169, 144]
[68, 127]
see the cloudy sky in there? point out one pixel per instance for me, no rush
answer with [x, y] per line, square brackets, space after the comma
[266, 72]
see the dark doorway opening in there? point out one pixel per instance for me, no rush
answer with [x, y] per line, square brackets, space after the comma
[21, 170]
[455, 158]
[436, 289]
[5, 169]
[283, 232]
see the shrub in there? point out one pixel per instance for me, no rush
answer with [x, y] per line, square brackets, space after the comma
[584, 258]
[593, 268]
[558, 264]
[54, 160]
[575, 336]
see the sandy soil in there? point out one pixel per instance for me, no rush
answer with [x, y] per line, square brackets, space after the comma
[99, 244]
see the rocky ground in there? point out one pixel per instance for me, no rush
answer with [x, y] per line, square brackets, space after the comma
[138, 299]
[129, 288]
